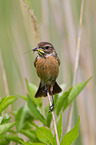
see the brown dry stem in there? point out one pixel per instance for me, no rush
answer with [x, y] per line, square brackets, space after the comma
[4, 81]
[76, 65]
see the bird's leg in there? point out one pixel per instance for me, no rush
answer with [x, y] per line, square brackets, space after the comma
[46, 89]
[52, 106]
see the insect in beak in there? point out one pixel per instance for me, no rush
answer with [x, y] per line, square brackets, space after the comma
[35, 49]
[40, 50]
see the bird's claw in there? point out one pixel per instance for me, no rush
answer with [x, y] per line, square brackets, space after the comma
[51, 108]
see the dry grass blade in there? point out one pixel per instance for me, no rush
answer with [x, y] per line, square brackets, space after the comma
[76, 64]
[5, 82]
[4, 76]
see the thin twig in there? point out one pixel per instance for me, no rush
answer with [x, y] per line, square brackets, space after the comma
[54, 122]
[76, 64]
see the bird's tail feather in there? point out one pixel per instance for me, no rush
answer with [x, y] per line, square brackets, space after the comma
[41, 92]
[56, 88]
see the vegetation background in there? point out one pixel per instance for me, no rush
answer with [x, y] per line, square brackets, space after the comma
[56, 21]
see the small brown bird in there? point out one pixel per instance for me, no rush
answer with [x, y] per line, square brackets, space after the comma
[47, 66]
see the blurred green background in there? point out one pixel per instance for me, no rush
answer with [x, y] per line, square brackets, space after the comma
[57, 22]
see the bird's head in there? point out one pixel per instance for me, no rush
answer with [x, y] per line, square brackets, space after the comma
[44, 49]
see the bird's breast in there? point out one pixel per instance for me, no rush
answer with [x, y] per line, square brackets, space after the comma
[47, 68]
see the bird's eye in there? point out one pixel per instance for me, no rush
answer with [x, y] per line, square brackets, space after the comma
[47, 47]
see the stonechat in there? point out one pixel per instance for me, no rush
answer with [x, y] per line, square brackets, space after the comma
[47, 65]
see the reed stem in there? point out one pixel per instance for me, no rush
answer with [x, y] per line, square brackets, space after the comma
[76, 64]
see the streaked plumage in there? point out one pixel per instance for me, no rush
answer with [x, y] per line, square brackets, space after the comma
[47, 67]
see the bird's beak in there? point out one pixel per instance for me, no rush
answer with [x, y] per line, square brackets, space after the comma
[35, 49]
[38, 49]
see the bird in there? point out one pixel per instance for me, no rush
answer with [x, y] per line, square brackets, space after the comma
[47, 65]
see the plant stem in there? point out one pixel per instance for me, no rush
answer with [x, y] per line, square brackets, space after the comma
[76, 65]
[54, 122]
[34, 21]
[4, 81]
[4, 76]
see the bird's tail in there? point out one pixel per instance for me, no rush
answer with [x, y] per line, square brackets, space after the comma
[41, 92]
[56, 88]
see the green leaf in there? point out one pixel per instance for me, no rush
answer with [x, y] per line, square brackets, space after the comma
[30, 134]
[38, 144]
[22, 116]
[63, 86]
[4, 141]
[4, 128]
[70, 137]
[5, 120]
[69, 96]
[6, 101]
[49, 119]
[44, 134]
[61, 100]
[75, 91]
[1, 118]
[30, 143]
[54, 140]
[25, 143]
[23, 97]
[31, 93]
[59, 127]
[31, 89]
[56, 96]
[13, 137]
[48, 116]
[35, 112]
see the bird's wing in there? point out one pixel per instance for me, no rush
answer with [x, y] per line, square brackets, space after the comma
[58, 60]
[35, 61]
